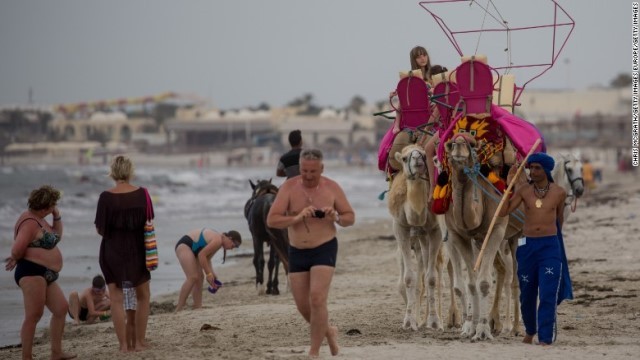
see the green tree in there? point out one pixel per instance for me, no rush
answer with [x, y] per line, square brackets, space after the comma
[621, 81]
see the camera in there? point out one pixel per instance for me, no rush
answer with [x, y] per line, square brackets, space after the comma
[318, 214]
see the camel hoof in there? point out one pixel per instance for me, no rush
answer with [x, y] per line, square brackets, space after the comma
[410, 322]
[467, 329]
[433, 322]
[483, 332]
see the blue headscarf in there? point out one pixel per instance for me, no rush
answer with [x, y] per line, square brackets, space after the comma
[545, 161]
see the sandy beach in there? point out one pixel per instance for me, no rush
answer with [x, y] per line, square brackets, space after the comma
[603, 321]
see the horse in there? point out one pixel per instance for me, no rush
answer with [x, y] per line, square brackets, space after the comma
[567, 173]
[255, 211]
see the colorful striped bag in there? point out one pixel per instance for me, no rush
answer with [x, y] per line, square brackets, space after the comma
[150, 244]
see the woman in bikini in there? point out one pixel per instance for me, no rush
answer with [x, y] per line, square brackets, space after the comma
[194, 251]
[37, 261]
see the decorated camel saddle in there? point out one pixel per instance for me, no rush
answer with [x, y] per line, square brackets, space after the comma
[501, 137]
[413, 112]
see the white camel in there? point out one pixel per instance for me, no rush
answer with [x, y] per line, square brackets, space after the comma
[415, 227]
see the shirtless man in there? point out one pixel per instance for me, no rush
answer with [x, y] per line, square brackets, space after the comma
[91, 303]
[539, 254]
[310, 205]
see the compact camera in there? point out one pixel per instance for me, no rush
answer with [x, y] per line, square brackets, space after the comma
[318, 214]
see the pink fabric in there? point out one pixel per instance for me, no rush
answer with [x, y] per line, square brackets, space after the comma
[475, 84]
[383, 150]
[446, 93]
[413, 94]
[521, 132]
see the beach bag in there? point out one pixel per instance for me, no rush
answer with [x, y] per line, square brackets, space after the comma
[150, 244]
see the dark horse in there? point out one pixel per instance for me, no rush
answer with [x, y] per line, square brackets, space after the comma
[256, 211]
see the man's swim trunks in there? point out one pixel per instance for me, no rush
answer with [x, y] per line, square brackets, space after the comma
[302, 260]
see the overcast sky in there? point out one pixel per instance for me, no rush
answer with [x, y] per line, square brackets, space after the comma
[243, 52]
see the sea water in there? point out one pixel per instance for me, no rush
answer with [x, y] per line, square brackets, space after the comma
[184, 199]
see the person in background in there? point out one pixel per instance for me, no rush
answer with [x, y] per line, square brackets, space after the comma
[37, 260]
[310, 206]
[120, 218]
[194, 251]
[91, 304]
[289, 164]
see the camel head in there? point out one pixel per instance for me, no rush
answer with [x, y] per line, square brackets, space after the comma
[460, 149]
[413, 160]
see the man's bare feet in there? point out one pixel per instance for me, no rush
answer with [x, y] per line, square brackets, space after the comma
[332, 339]
[63, 356]
[528, 339]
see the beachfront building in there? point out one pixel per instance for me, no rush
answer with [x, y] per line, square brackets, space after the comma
[593, 122]
[101, 127]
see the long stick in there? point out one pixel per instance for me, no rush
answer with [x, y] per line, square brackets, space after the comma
[504, 198]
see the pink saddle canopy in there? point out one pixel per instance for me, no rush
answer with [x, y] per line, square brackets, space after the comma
[475, 84]
[413, 94]
[414, 111]
[446, 97]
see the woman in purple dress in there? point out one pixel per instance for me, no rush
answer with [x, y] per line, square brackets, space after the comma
[120, 219]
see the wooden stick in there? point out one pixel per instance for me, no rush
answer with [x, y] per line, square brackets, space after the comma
[504, 198]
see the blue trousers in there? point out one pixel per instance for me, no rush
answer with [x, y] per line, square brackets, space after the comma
[539, 273]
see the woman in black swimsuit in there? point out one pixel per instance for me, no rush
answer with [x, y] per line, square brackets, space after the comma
[37, 261]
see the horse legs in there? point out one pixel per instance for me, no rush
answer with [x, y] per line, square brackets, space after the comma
[258, 263]
[272, 281]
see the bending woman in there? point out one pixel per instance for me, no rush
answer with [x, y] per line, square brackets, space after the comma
[194, 251]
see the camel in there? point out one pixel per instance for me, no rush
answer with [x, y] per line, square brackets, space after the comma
[255, 211]
[414, 226]
[467, 222]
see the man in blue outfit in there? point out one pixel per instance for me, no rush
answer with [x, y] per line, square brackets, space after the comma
[542, 264]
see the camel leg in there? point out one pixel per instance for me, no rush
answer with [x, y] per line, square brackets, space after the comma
[468, 292]
[516, 330]
[494, 315]
[430, 255]
[484, 281]
[402, 236]
[258, 263]
[401, 267]
[456, 289]
[508, 287]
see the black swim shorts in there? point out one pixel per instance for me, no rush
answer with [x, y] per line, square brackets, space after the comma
[302, 260]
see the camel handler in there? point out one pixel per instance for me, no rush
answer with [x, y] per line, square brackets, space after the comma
[310, 206]
[542, 264]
